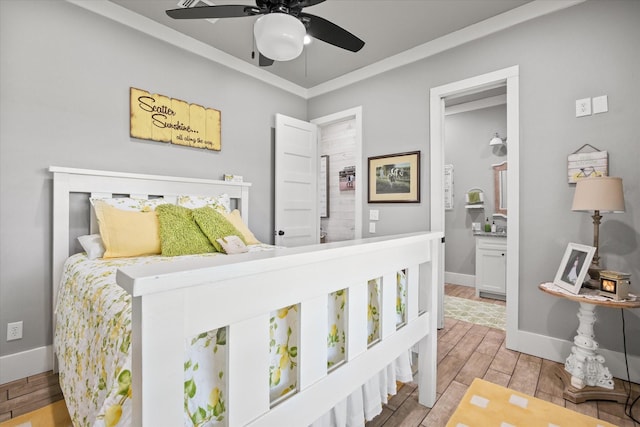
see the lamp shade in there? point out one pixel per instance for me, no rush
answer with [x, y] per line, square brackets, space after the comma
[279, 36]
[603, 194]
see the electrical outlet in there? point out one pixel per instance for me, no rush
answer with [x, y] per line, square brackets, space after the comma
[583, 107]
[372, 227]
[14, 331]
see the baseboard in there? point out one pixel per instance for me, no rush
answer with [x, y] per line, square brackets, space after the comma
[21, 365]
[558, 350]
[460, 279]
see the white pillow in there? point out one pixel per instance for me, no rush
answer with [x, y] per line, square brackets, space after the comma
[220, 203]
[92, 245]
[131, 204]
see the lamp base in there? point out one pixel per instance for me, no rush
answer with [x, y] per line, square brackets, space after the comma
[594, 273]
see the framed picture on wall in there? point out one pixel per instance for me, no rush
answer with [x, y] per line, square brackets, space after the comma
[448, 187]
[574, 266]
[395, 178]
[347, 178]
[323, 186]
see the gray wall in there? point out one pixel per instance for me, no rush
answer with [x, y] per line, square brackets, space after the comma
[584, 51]
[65, 81]
[467, 148]
[65, 74]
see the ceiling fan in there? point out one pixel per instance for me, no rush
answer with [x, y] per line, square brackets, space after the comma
[280, 31]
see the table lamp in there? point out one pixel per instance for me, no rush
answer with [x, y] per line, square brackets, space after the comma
[598, 194]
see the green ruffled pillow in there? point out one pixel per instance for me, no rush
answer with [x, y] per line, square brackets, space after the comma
[214, 225]
[179, 232]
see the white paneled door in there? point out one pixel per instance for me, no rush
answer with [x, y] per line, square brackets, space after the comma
[297, 220]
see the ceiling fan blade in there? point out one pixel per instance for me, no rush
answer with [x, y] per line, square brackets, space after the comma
[263, 61]
[331, 33]
[208, 12]
[308, 3]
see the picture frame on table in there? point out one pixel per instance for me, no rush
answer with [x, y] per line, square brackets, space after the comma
[574, 266]
[394, 178]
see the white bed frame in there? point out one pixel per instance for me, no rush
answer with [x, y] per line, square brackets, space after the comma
[180, 299]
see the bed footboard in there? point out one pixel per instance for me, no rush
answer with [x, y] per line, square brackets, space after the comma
[185, 299]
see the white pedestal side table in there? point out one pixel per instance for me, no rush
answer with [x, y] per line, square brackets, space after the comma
[585, 375]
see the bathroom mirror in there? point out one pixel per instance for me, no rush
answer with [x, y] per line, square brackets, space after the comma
[500, 185]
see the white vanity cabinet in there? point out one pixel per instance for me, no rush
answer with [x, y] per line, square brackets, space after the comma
[491, 266]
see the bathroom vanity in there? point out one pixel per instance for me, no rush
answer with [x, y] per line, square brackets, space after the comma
[491, 264]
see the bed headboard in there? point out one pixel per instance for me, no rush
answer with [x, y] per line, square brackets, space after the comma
[70, 181]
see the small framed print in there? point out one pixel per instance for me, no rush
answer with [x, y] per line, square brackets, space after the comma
[574, 266]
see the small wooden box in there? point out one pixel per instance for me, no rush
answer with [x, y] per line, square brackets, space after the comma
[614, 284]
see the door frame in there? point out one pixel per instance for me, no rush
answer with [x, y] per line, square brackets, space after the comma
[509, 77]
[355, 114]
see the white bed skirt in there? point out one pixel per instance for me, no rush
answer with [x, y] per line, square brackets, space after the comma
[365, 403]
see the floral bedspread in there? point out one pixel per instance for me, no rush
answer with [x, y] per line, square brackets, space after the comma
[93, 342]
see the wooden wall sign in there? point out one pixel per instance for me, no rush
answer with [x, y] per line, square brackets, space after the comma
[163, 119]
[585, 162]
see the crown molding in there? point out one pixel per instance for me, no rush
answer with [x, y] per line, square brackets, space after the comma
[484, 28]
[492, 101]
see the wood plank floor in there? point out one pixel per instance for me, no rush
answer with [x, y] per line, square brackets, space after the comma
[28, 394]
[467, 351]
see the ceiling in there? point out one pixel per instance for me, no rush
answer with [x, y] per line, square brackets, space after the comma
[388, 27]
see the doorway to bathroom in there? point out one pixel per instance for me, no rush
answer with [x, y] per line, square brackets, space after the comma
[508, 78]
[471, 154]
[475, 223]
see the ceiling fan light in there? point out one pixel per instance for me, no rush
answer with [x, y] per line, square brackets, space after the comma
[279, 36]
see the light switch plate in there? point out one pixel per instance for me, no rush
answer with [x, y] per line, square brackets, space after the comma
[373, 214]
[600, 104]
[372, 227]
[583, 107]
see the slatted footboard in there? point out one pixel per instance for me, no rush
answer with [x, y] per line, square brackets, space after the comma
[180, 300]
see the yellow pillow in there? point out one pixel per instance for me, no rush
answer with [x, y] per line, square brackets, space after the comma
[127, 233]
[235, 219]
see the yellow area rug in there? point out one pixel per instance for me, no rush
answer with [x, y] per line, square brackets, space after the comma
[53, 415]
[489, 405]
